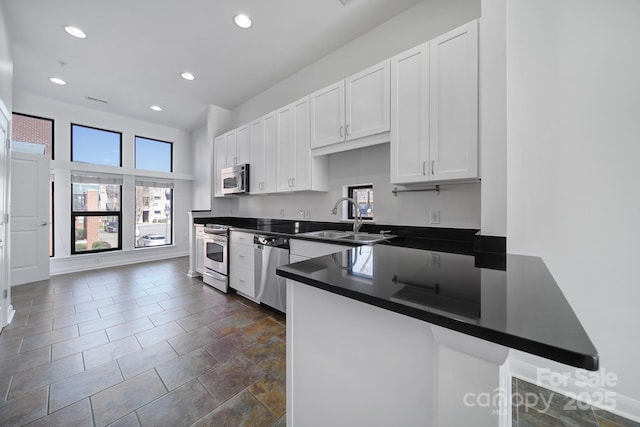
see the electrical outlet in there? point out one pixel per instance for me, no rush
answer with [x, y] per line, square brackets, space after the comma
[434, 217]
[307, 214]
[300, 213]
[282, 213]
[434, 260]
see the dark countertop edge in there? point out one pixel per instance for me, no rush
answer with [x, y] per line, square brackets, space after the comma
[579, 360]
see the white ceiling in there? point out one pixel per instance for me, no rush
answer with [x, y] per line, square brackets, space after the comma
[136, 49]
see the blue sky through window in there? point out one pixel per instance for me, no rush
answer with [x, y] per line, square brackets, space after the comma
[153, 155]
[95, 146]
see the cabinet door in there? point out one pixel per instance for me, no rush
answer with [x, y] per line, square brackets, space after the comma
[257, 171]
[220, 160]
[327, 115]
[302, 149]
[454, 104]
[243, 145]
[270, 164]
[410, 115]
[231, 149]
[368, 101]
[286, 148]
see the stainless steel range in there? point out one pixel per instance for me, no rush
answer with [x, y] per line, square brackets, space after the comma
[216, 266]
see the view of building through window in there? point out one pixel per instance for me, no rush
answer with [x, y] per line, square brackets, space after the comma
[154, 211]
[31, 134]
[363, 195]
[95, 215]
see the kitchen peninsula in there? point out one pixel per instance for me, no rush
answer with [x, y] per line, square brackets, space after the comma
[386, 335]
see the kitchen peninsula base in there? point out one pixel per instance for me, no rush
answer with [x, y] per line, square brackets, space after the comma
[350, 363]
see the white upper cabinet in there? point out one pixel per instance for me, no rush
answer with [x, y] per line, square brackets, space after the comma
[368, 102]
[220, 161]
[296, 169]
[238, 143]
[263, 149]
[434, 109]
[410, 115]
[454, 104]
[351, 109]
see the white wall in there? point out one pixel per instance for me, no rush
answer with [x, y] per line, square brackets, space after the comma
[65, 114]
[416, 25]
[459, 205]
[201, 168]
[6, 64]
[573, 164]
[493, 116]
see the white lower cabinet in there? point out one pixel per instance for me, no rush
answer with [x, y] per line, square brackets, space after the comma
[241, 264]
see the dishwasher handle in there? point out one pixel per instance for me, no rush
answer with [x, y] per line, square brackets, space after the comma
[271, 241]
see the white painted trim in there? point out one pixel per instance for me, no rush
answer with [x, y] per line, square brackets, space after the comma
[76, 263]
[624, 406]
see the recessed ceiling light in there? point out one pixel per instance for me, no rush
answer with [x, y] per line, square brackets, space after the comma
[57, 81]
[187, 76]
[242, 21]
[75, 32]
[156, 108]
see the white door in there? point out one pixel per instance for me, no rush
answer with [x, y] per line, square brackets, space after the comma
[256, 173]
[6, 310]
[368, 101]
[29, 249]
[232, 148]
[454, 104]
[270, 161]
[243, 145]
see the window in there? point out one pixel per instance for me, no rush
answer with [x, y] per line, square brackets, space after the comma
[96, 146]
[154, 212]
[154, 155]
[363, 195]
[95, 212]
[32, 134]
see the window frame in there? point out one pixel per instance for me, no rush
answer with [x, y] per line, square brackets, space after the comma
[135, 153]
[75, 214]
[350, 193]
[94, 128]
[53, 133]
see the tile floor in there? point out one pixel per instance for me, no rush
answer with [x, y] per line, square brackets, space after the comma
[549, 409]
[140, 345]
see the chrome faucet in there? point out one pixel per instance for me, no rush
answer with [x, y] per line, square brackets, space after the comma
[357, 222]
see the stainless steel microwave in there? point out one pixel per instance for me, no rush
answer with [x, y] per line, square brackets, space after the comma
[235, 179]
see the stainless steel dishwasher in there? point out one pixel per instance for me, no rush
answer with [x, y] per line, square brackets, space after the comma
[271, 252]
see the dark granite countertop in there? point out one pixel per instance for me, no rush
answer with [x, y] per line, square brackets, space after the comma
[443, 239]
[520, 306]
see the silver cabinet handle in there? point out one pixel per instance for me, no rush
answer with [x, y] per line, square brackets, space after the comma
[341, 135]
[424, 165]
[432, 166]
[347, 130]
[293, 182]
[42, 224]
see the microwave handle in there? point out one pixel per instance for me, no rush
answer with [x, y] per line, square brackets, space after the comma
[242, 180]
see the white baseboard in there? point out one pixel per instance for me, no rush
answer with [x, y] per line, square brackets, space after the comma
[572, 386]
[85, 262]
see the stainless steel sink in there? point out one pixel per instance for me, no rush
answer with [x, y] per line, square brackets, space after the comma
[349, 236]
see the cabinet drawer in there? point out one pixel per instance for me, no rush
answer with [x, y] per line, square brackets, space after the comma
[241, 256]
[243, 280]
[241, 237]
